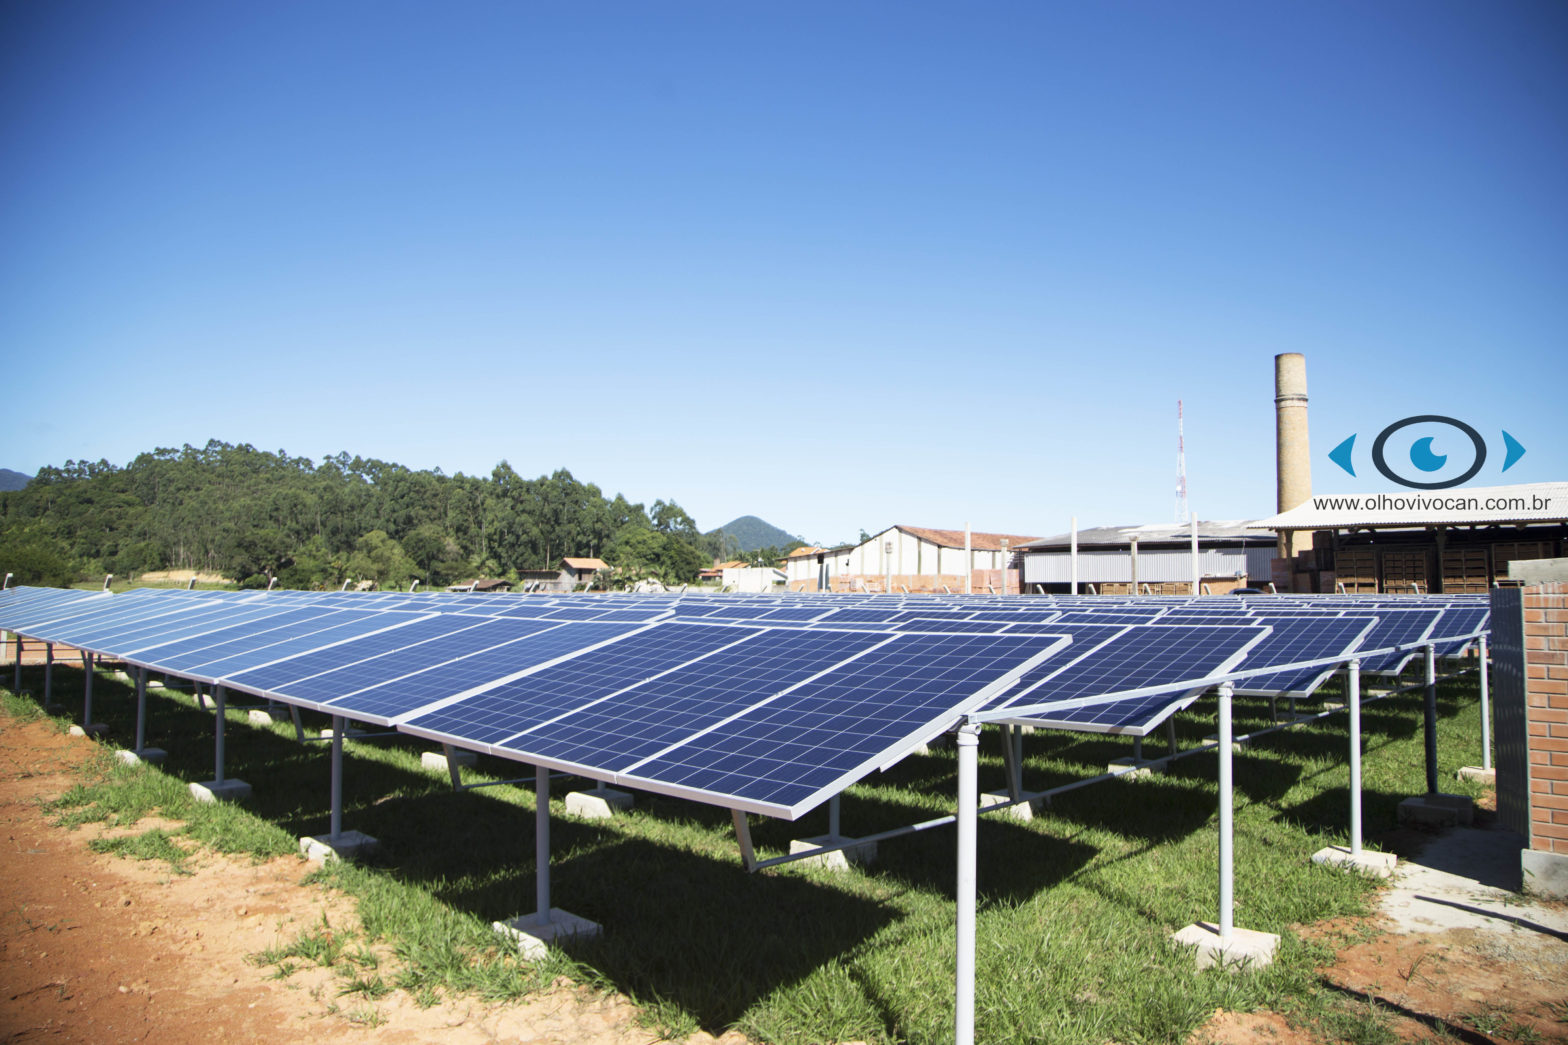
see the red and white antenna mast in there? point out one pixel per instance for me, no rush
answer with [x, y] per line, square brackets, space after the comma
[1181, 469]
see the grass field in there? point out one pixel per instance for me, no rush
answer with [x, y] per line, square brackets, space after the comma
[1076, 905]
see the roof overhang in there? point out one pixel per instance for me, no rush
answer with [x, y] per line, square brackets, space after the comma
[1523, 504]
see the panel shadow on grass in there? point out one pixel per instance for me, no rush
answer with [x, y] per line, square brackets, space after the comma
[703, 934]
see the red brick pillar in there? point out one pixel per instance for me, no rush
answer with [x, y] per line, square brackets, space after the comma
[1545, 684]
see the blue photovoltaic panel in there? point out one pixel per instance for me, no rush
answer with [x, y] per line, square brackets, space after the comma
[639, 616]
[640, 721]
[331, 627]
[948, 624]
[501, 713]
[357, 673]
[1085, 617]
[794, 751]
[858, 615]
[244, 629]
[1297, 638]
[1016, 616]
[1458, 621]
[801, 615]
[1142, 655]
[144, 629]
[1396, 627]
[410, 693]
[414, 640]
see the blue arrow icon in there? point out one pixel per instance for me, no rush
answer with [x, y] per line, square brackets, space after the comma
[1340, 455]
[1515, 451]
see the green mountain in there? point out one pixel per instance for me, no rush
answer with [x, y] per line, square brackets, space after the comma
[10, 480]
[752, 533]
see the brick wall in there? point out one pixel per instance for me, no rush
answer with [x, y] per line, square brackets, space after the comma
[1546, 713]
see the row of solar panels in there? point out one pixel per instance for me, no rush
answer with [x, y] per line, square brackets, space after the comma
[768, 705]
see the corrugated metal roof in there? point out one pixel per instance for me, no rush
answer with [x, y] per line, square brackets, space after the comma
[584, 564]
[1474, 505]
[980, 542]
[1122, 536]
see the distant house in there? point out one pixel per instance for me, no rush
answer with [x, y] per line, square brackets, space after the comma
[581, 571]
[717, 572]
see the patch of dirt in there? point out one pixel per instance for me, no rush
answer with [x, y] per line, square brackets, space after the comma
[1248, 1028]
[96, 948]
[1462, 983]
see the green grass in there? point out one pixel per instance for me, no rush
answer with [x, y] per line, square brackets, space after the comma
[1076, 905]
[152, 845]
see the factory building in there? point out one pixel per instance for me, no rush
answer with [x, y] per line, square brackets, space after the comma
[1154, 559]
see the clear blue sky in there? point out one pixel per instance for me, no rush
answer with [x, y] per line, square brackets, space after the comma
[839, 265]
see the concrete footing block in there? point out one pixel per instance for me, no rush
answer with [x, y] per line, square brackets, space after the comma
[347, 846]
[349, 733]
[1485, 776]
[1333, 705]
[1378, 865]
[1130, 768]
[227, 791]
[91, 729]
[1545, 874]
[1022, 811]
[265, 716]
[598, 803]
[437, 761]
[838, 859]
[1246, 948]
[1235, 745]
[1437, 811]
[533, 938]
[154, 755]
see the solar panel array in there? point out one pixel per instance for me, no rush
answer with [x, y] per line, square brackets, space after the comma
[759, 703]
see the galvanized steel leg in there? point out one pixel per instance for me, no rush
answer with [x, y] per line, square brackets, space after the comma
[1353, 686]
[141, 709]
[220, 698]
[48, 675]
[968, 814]
[17, 686]
[542, 844]
[1227, 816]
[1430, 719]
[337, 778]
[1486, 710]
[748, 853]
[87, 689]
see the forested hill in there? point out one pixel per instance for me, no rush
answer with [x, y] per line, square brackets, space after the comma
[10, 480]
[748, 533]
[247, 513]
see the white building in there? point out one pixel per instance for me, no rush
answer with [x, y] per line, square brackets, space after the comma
[1113, 558]
[915, 557]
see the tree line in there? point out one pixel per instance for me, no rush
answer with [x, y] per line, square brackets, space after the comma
[250, 515]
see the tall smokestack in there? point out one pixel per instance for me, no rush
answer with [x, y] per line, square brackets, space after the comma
[1293, 454]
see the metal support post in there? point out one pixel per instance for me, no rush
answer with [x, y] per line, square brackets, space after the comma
[1170, 734]
[220, 697]
[1137, 748]
[336, 827]
[968, 814]
[17, 687]
[1227, 815]
[1486, 708]
[1017, 787]
[48, 675]
[542, 844]
[141, 709]
[1353, 688]
[833, 818]
[87, 689]
[1430, 719]
[748, 853]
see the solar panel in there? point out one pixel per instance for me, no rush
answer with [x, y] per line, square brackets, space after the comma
[501, 713]
[383, 701]
[1301, 638]
[1139, 656]
[789, 754]
[1396, 627]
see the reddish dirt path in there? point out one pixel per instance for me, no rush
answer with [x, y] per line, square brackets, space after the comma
[96, 948]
